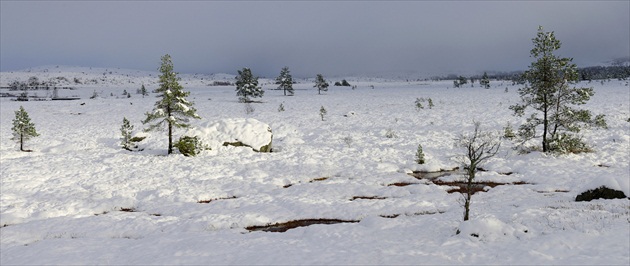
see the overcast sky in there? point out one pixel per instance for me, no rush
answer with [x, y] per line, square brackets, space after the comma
[332, 38]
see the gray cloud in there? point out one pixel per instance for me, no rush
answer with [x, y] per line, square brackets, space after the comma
[332, 38]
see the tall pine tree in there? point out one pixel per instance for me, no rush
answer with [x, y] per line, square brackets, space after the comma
[286, 81]
[550, 93]
[172, 110]
[23, 128]
[247, 86]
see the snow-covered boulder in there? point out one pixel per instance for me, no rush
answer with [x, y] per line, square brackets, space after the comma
[235, 132]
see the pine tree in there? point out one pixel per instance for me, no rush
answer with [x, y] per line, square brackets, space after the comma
[322, 112]
[485, 81]
[419, 155]
[172, 110]
[23, 128]
[143, 91]
[126, 130]
[247, 86]
[549, 92]
[320, 84]
[286, 81]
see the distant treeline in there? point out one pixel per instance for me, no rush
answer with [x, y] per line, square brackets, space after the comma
[586, 73]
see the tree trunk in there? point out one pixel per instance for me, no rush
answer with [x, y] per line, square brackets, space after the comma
[21, 141]
[170, 130]
[170, 138]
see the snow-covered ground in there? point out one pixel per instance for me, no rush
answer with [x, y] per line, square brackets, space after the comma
[79, 198]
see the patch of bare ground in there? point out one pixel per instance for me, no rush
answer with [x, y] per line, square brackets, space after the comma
[367, 198]
[401, 184]
[553, 191]
[283, 227]
[476, 186]
[391, 216]
[132, 209]
[310, 181]
[211, 200]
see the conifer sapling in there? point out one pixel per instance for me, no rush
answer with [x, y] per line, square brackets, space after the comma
[419, 155]
[322, 112]
[23, 128]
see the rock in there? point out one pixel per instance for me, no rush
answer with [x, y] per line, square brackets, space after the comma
[600, 193]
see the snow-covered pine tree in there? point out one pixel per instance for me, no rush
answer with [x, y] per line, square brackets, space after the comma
[320, 84]
[485, 81]
[23, 128]
[285, 81]
[172, 110]
[247, 86]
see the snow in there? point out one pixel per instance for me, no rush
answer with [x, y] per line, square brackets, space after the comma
[249, 131]
[63, 202]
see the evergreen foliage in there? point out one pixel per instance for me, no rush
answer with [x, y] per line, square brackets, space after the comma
[247, 86]
[172, 110]
[320, 84]
[418, 103]
[508, 132]
[190, 146]
[285, 81]
[461, 80]
[23, 128]
[419, 155]
[322, 112]
[126, 130]
[485, 81]
[143, 91]
[549, 93]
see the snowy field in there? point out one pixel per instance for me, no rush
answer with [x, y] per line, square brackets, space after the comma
[79, 198]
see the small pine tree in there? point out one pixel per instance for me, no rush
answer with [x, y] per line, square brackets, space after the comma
[419, 155]
[143, 91]
[281, 107]
[247, 86]
[322, 112]
[418, 103]
[286, 81]
[320, 84]
[172, 110]
[430, 103]
[508, 131]
[23, 128]
[485, 81]
[126, 130]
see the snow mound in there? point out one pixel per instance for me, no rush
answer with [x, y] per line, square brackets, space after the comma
[248, 131]
[490, 229]
[620, 183]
